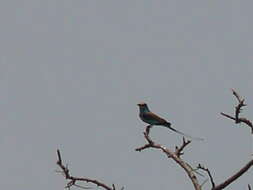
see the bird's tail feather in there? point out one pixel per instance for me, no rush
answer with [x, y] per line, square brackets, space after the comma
[168, 125]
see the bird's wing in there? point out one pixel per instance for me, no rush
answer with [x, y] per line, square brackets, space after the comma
[153, 117]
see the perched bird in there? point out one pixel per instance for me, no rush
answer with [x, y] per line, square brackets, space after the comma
[148, 117]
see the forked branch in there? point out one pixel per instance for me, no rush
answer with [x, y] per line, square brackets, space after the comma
[179, 150]
[237, 119]
[171, 154]
[238, 110]
[73, 180]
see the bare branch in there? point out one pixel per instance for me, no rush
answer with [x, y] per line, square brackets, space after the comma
[73, 179]
[234, 177]
[249, 186]
[239, 106]
[179, 151]
[228, 116]
[174, 155]
[209, 174]
[237, 119]
[238, 109]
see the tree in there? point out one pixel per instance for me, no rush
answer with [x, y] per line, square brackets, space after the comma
[175, 155]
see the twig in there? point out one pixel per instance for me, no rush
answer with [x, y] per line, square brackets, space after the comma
[240, 120]
[238, 109]
[209, 174]
[249, 186]
[73, 179]
[174, 155]
[179, 151]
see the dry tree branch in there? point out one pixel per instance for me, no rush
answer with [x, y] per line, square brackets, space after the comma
[234, 177]
[249, 187]
[73, 180]
[209, 174]
[238, 109]
[179, 151]
[237, 119]
[174, 155]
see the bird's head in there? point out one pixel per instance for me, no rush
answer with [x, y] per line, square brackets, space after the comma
[142, 104]
[143, 107]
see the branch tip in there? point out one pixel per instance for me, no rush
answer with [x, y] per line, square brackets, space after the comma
[59, 157]
[73, 180]
[209, 174]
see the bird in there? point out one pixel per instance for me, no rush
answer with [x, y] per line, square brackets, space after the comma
[152, 119]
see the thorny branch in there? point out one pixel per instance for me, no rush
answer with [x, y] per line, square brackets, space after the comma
[174, 155]
[238, 109]
[73, 180]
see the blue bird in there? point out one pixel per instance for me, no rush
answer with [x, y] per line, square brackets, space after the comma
[152, 119]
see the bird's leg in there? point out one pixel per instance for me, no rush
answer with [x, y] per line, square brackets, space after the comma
[148, 129]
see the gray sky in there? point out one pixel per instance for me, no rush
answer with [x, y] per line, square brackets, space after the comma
[72, 72]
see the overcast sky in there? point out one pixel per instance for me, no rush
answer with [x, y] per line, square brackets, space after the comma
[72, 72]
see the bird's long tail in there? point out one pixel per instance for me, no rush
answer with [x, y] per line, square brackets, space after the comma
[168, 125]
